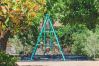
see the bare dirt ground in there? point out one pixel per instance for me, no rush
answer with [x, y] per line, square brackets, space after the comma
[59, 63]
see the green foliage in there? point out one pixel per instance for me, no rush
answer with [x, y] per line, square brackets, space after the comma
[58, 8]
[81, 40]
[23, 18]
[85, 11]
[92, 45]
[65, 32]
[30, 33]
[75, 11]
[6, 60]
[86, 43]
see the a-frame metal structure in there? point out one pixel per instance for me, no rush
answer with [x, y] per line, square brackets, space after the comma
[42, 34]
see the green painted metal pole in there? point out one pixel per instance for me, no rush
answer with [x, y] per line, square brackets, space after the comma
[51, 45]
[35, 48]
[56, 39]
[44, 39]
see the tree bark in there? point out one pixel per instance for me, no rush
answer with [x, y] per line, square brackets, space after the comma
[3, 39]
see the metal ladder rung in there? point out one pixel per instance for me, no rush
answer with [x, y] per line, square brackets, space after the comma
[49, 31]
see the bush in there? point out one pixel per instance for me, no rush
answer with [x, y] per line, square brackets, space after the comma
[64, 34]
[79, 40]
[6, 60]
[16, 43]
[86, 42]
[92, 45]
[68, 33]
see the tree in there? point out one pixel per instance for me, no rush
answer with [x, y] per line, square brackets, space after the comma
[20, 16]
[22, 12]
[75, 11]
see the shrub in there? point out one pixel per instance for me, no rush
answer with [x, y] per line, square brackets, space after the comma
[6, 60]
[86, 42]
[16, 43]
[92, 45]
[79, 40]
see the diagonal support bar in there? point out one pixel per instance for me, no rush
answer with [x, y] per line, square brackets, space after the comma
[35, 48]
[51, 31]
[56, 38]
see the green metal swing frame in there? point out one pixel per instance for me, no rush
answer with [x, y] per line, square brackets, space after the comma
[47, 19]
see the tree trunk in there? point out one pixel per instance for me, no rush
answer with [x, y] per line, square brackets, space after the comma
[4, 38]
